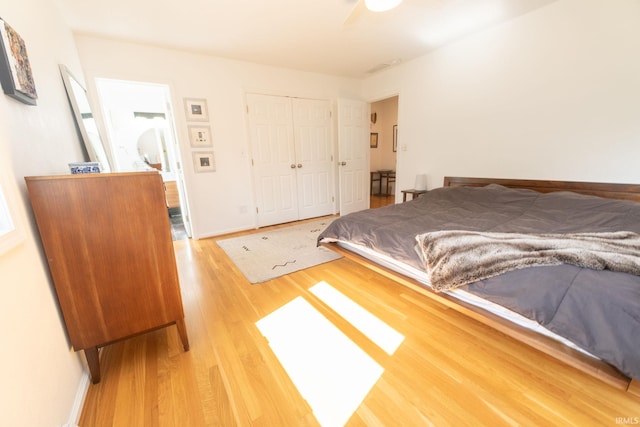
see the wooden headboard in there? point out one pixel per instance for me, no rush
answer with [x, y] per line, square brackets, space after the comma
[607, 190]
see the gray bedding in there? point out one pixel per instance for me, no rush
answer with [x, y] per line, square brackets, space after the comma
[598, 310]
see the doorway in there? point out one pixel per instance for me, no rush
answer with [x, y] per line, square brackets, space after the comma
[383, 151]
[141, 133]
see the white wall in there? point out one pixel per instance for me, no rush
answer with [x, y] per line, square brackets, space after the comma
[39, 374]
[554, 94]
[222, 201]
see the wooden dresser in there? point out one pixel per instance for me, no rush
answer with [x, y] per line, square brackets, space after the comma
[108, 243]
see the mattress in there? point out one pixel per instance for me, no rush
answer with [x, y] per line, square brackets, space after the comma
[459, 294]
[595, 311]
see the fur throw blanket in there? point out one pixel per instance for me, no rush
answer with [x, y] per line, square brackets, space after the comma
[455, 258]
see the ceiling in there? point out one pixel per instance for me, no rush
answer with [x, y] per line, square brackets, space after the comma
[307, 35]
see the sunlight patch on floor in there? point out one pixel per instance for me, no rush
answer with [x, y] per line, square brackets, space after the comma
[331, 372]
[375, 329]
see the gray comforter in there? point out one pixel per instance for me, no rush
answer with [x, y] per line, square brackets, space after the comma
[599, 310]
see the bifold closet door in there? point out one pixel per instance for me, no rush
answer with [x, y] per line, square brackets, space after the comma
[312, 136]
[291, 156]
[273, 158]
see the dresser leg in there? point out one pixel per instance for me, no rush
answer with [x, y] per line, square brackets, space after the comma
[182, 331]
[94, 363]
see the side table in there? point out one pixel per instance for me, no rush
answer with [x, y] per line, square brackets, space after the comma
[414, 194]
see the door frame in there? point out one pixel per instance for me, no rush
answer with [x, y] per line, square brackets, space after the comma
[397, 163]
[175, 155]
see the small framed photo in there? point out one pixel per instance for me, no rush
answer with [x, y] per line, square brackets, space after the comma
[374, 140]
[204, 161]
[196, 109]
[200, 136]
[15, 70]
[395, 138]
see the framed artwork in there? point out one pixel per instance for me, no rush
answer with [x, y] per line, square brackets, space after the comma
[395, 138]
[204, 161]
[196, 109]
[373, 143]
[15, 71]
[200, 136]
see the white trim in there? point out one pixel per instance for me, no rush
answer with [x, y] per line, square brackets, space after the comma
[78, 403]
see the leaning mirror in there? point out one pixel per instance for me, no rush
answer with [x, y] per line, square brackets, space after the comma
[85, 121]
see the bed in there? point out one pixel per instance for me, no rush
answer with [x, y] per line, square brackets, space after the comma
[566, 307]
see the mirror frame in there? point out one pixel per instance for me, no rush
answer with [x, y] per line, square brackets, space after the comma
[94, 147]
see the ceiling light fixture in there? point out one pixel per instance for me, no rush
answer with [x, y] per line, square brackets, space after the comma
[381, 5]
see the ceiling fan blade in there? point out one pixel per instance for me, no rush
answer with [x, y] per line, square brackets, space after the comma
[356, 12]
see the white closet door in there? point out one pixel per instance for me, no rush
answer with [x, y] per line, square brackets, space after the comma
[353, 158]
[312, 135]
[274, 162]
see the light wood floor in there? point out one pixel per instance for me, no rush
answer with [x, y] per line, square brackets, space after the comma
[448, 371]
[379, 201]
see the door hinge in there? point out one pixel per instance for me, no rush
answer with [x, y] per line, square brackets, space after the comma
[256, 209]
[247, 107]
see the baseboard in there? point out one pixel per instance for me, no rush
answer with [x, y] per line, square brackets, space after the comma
[223, 232]
[78, 403]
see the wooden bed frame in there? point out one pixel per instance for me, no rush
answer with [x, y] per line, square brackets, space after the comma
[572, 357]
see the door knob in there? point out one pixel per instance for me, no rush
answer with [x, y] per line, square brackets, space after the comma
[293, 166]
[343, 163]
[299, 165]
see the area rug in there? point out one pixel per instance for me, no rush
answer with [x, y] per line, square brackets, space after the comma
[265, 255]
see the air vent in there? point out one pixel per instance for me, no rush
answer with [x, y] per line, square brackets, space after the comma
[384, 65]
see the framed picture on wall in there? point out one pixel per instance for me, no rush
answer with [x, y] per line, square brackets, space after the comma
[374, 140]
[196, 109]
[15, 70]
[200, 136]
[395, 138]
[204, 161]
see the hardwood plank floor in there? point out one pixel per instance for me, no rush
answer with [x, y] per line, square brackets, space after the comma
[448, 371]
[380, 201]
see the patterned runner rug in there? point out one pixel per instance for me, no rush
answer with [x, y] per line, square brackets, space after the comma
[265, 255]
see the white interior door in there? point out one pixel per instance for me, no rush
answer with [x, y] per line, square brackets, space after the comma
[353, 157]
[292, 158]
[273, 156]
[312, 134]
